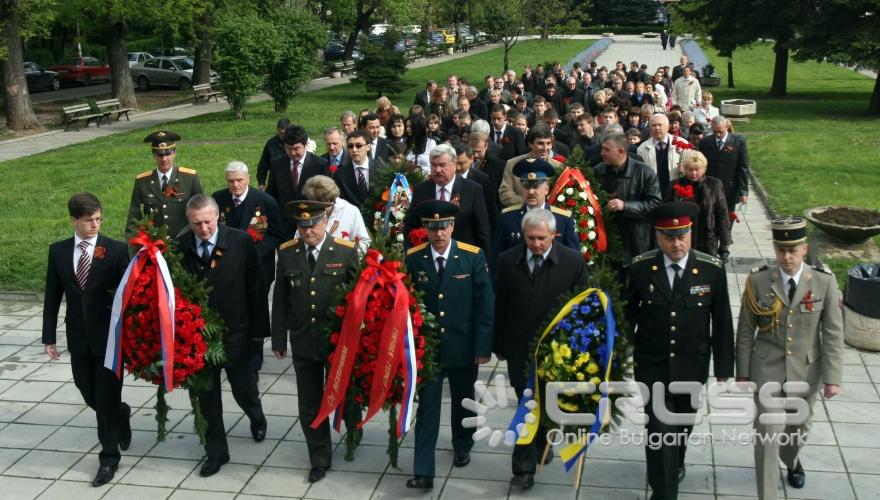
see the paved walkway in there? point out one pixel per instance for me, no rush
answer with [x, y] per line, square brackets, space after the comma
[48, 444]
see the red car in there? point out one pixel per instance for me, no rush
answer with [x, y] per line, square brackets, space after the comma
[82, 69]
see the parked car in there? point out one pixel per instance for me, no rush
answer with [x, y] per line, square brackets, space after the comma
[169, 51]
[138, 57]
[448, 36]
[166, 72]
[39, 78]
[336, 50]
[84, 70]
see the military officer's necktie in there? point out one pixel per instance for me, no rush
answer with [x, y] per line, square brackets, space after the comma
[206, 251]
[83, 264]
[164, 181]
[677, 278]
[311, 256]
[236, 202]
[294, 174]
[362, 181]
[440, 267]
[792, 286]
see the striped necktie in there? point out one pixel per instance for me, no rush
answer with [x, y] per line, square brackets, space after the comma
[83, 264]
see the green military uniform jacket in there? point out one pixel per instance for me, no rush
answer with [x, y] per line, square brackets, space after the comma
[802, 341]
[304, 296]
[169, 207]
[462, 302]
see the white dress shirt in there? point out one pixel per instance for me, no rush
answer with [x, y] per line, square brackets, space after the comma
[447, 187]
[670, 273]
[77, 251]
[445, 256]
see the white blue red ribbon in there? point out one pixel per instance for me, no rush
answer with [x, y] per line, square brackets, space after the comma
[399, 182]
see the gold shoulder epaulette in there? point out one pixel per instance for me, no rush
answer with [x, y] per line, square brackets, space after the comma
[760, 268]
[288, 243]
[144, 174]
[345, 243]
[560, 211]
[184, 170]
[703, 257]
[468, 248]
[645, 256]
[416, 248]
[511, 209]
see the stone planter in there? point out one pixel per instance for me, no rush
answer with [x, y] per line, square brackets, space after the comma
[608, 35]
[336, 74]
[849, 233]
[650, 35]
[738, 107]
[710, 81]
[861, 332]
[450, 51]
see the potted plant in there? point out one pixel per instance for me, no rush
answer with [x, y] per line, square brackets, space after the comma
[709, 78]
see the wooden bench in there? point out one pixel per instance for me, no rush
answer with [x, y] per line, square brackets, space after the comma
[111, 106]
[203, 93]
[343, 67]
[412, 55]
[434, 51]
[82, 113]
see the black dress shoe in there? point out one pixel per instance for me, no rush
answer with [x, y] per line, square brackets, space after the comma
[461, 459]
[125, 435]
[797, 477]
[523, 480]
[212, 465]
[258, 429]
[421, 483]
[681, 473]
[317, 474]
[105, 475]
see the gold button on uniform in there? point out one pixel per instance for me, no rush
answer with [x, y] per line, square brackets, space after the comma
[442, 314]
[313, 320]
[788, 353]
[442, 330]
[313, 306]
[440, 296]
[672, 314]
[312, 293]
[671, 354]
[672, 328]
[672, 341]
[312, 279]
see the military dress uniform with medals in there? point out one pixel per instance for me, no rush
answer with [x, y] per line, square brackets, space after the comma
[307, 283]
[788, 333]
[161, 196]
[678, 326]
[458, 292]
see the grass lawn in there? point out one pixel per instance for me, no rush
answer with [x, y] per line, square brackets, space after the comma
[34, 201]
[818, 146]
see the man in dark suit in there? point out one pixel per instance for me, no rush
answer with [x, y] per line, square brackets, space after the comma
[353, 177]
[289, 173]
[274, 147]
[529, 280]
[423, 98]
[560, 136]
[728, 160]
[571, 94]
[311, 270]
[457, 291]
[227, 259]
[87, 269]
[336, 155]
[678, 304]
[678, 71]
[487, 160]
[379, 149]
[472, 220]
[464, 168]
[508, 137]
[478, 106]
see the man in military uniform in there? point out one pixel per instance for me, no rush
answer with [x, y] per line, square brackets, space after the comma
[162, 193]
[310, 271]
[454, 278]
[535, 174]
[677, 301]
[790, 330]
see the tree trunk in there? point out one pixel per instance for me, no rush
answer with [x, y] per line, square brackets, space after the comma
[874, 104]
[19, 110]
[780, 70]
[120, 75]
[362, 23]
[507, 47]
[730, 83]
[204, 49]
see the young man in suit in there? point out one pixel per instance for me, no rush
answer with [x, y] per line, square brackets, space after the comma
[472, 220]
[456, 287]
[289, 173]
[353, 178]
[379, 148]
[530, 278]
[540, 140]
[464, 169]
[728, 160]
[87, 269]
[507, 137]
[227, 259]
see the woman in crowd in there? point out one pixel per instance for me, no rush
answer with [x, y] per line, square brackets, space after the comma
[397, 132]
[435, 130]
[419, 145]
[705, 111]
[641, 96]
[439, 103]
[344, 220]
[384, 109]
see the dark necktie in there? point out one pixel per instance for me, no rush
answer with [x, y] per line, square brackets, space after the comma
[311, 257]
[334, 161]
[442, 194]
[661, 147]
[236, 202]
[294, 174]
[206, 251]
[720, 143]
[537, 262]
[83, 264]
[497, 137]
[440, 267]
[792, 286]
[677, 278]
[362, 181]
[164, 181]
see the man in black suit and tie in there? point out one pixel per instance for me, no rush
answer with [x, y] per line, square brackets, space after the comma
[678, 71]
[508, 137]
[274, 148]
[728, 160]
[353, 177]
[472, 221]
[336, 155]
[423, 98]
[478, 106]
[289, 173]
[379, 149]
[464, 169]
[227, 259]
[86, 269]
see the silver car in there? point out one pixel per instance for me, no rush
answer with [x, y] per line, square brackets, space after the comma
[175, 71]
[138, 57]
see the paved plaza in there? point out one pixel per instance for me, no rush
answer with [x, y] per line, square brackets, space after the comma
[49, 446]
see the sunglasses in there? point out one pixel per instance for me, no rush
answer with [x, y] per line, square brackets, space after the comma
[357, 146]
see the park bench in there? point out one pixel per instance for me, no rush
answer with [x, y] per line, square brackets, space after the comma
[111, 106]
[203, 93]
[434, 51]
[77, 113]
[343, 67]
[412, 55]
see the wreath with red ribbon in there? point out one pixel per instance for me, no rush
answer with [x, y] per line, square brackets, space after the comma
[573, 192]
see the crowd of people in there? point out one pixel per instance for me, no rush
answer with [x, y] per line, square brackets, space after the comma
[497, 258]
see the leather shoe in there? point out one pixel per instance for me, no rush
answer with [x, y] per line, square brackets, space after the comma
[317, 474]
[797, 477]
[125, 436]
[681, 473]
[523, 480]
[212, 465]
[105, 475]
[421, 483]
[461, 458]
[258, 429]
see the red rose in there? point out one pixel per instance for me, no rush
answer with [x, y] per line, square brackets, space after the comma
[571, 202]
[583, 236]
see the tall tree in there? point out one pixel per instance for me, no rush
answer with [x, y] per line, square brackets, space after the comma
[293, 59]
[505, 21]
[556, 16]
[20, 19]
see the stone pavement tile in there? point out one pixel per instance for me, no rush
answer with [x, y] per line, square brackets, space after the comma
[598, 493]
[24, 435]
[20, 308]
[144, 419]
[874, 373]
[31, 323]
[10, 411]
[36, 354]
[72, 490]
[347, 485]
[699, 479]
[9, 350]
[735, 480]
[867, 486]
[44, 464]
[856, 373]
[27, 390]
[375, 433]
[858, 392]
[483, 466]
[456, 489]
[283, 405]
[20, 337]
[821, 458]
[733, 454]
[840, 411]
[367, 458]
[51, 372]
[860, 460]
[231, 478]
[820, 413]
[859, 435]
[200, 495]
[851, 356]
[81, 439]
[50, 414]
[67, 393]
[23, 488]
[614, 474]
[141, 443]
[282, 384]
[129, 492]
[870, 358]
[557, 491]
[8, 322]
[821, 434]
[186, 425]
[393, 487]
[274, 481]
[9, 456]
[290, 454]
[145, 396]
[276, 366]
[14, 370]
[276, 427]
[178, 445]
[245, 451]
[442, 463]
[87, 467]
[159, 472]
[834, 485]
